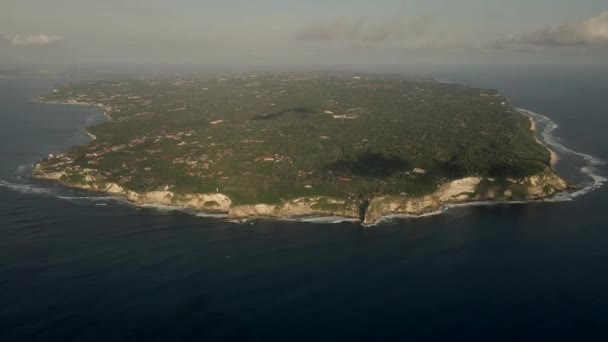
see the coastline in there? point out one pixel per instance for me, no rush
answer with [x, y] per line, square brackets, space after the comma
[554, 157]
[91, 135]
[458, 192]
[106, 109]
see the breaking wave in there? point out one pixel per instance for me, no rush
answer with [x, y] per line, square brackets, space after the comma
[211, 215]
[63, 194]
[22, 169]
[92, 198]
[321, 219]
[171, 208]
[26, 188]
[592, 164]
[330, 220]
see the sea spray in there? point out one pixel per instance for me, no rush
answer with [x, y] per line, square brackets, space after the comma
[22, 169]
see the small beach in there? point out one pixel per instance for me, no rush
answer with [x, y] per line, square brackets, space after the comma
[554, 157]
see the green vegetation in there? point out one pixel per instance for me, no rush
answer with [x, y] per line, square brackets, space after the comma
[263, 139]
[520, 192]
[336, 207]
[73, 178]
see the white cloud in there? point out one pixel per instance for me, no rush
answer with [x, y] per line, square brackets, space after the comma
[364, 29]
[30, 39]
[591, 32]
[595, 30]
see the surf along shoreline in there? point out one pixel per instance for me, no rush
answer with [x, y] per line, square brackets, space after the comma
[461, 192]
[105, 110]
[554, 157]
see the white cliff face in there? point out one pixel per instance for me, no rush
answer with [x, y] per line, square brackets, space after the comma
[210, 202]
[538, 186]
[458, 190]
[544, 185]
[113, 188]
[305, 206]
[264, 210]
[49, 175]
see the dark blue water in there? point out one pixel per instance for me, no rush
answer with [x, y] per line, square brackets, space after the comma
[74, 269]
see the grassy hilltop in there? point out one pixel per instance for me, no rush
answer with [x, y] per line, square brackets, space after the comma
[260, 139]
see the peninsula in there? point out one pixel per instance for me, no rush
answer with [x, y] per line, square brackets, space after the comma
[297, 145]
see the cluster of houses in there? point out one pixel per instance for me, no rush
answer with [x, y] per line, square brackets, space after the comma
[98, 154]
[134, 103]
[59, 161]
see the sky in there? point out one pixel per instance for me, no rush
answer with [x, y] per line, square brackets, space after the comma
[311, 33]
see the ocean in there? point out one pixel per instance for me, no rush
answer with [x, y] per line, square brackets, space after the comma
[77, 267]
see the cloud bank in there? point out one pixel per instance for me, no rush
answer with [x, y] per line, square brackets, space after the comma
[423, 33]
[30, 39]
[364, 29]
[589, 33]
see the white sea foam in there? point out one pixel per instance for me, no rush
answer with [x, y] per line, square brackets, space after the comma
[63, 194]
[329, 220]
[25, 188]
[171, 208]
[211, 215]
[21, 169]
[592, 163]
[93, 198]
[163, 208]
[390, 218]
[238, 221]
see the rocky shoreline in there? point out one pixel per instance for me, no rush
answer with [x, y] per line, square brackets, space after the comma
[369, 211]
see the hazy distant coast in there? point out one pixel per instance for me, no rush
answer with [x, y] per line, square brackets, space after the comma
[106, 109]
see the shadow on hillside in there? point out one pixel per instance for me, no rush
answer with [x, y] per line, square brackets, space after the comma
[369, 164]
[301, 112]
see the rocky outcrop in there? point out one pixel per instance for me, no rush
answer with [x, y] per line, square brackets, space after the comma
[214, 202]
[206, 202]
[457, 191]
[55, 176]
[543, 185]
[306, 206]
[470, 189]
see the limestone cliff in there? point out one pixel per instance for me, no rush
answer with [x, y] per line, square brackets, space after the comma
[214, 202]
[308, 206]
[470, 189]
[543, 185]
[206, 202]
